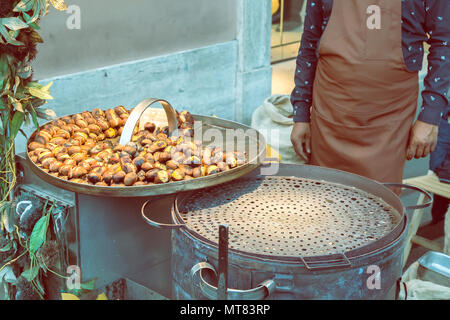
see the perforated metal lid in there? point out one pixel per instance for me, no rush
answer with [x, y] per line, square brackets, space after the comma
[288, 216]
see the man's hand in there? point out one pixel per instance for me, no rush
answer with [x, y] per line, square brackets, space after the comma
[301, 139]
[422, 140]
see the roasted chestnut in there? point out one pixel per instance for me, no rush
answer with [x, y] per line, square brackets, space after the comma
[70, 162]
[119, 176]
[138, 162]
[141, 175]
[160, 166]
[130, 149]
[103, 124]
[98, 113]
[62, 157]
[164, 156]
[43, 155]
[63, 134]
[73, 149]
[231, 159]
[101, 137]
[130, 179]
[85, 165]
[212, 169]
[120, 110]
[113, 119]
[34, 145]
[196, 172]
[77, 172]
[118, 148]
[178, 174]
[114, 158]
[94, 177]
[149, 126]
[55, 166]
[78, 157]
[162, 176]
[146, 166]
[129, 167]
[94, 128]
[206, 156]
[47, 162]
[160, 144]
[81, 123]
[151, 174]
[115, 168]
[223, 166]
[172, 164]
[108, 177]
[187, 169]
[110, 133]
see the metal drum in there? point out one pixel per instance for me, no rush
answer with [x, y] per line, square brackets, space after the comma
[306, 233]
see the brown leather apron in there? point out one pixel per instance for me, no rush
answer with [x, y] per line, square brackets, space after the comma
[364, 98]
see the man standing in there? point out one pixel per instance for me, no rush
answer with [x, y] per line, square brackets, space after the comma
[356, 84]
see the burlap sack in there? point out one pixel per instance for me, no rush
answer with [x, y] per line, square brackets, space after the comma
[413, 288]
[274, 120]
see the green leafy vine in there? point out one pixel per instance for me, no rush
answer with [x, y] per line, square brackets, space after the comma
[21, 102]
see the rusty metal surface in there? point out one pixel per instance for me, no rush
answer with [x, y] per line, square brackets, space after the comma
[289, 216]
[292, 280]
[292, 277]
[206, 122]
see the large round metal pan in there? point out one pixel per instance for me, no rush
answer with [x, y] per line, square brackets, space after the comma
[329, 177]
[215, 125]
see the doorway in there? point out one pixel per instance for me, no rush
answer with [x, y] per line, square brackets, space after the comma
[287, 27]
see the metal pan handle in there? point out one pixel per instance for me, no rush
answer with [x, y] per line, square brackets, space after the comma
[157, 224]
[262, 291]
[334, 261]
[137, 113]
[408, 186]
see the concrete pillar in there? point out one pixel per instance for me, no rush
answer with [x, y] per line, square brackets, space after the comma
[254, 72]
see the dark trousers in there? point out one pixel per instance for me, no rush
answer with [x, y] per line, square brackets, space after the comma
[440, 207]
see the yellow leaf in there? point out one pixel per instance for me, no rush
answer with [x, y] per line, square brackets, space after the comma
[59, 4]
[102, 296]
[40, 94]
[68, 296]
[47, 86]
[18, 106]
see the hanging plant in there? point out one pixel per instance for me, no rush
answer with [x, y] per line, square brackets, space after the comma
[21, 102]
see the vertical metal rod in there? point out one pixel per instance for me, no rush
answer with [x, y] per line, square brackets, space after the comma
[281, 21]
[222, 286]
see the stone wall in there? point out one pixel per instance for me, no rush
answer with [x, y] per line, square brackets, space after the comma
[229, 79]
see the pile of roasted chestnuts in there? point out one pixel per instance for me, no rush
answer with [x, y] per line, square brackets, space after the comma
[84, 148]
